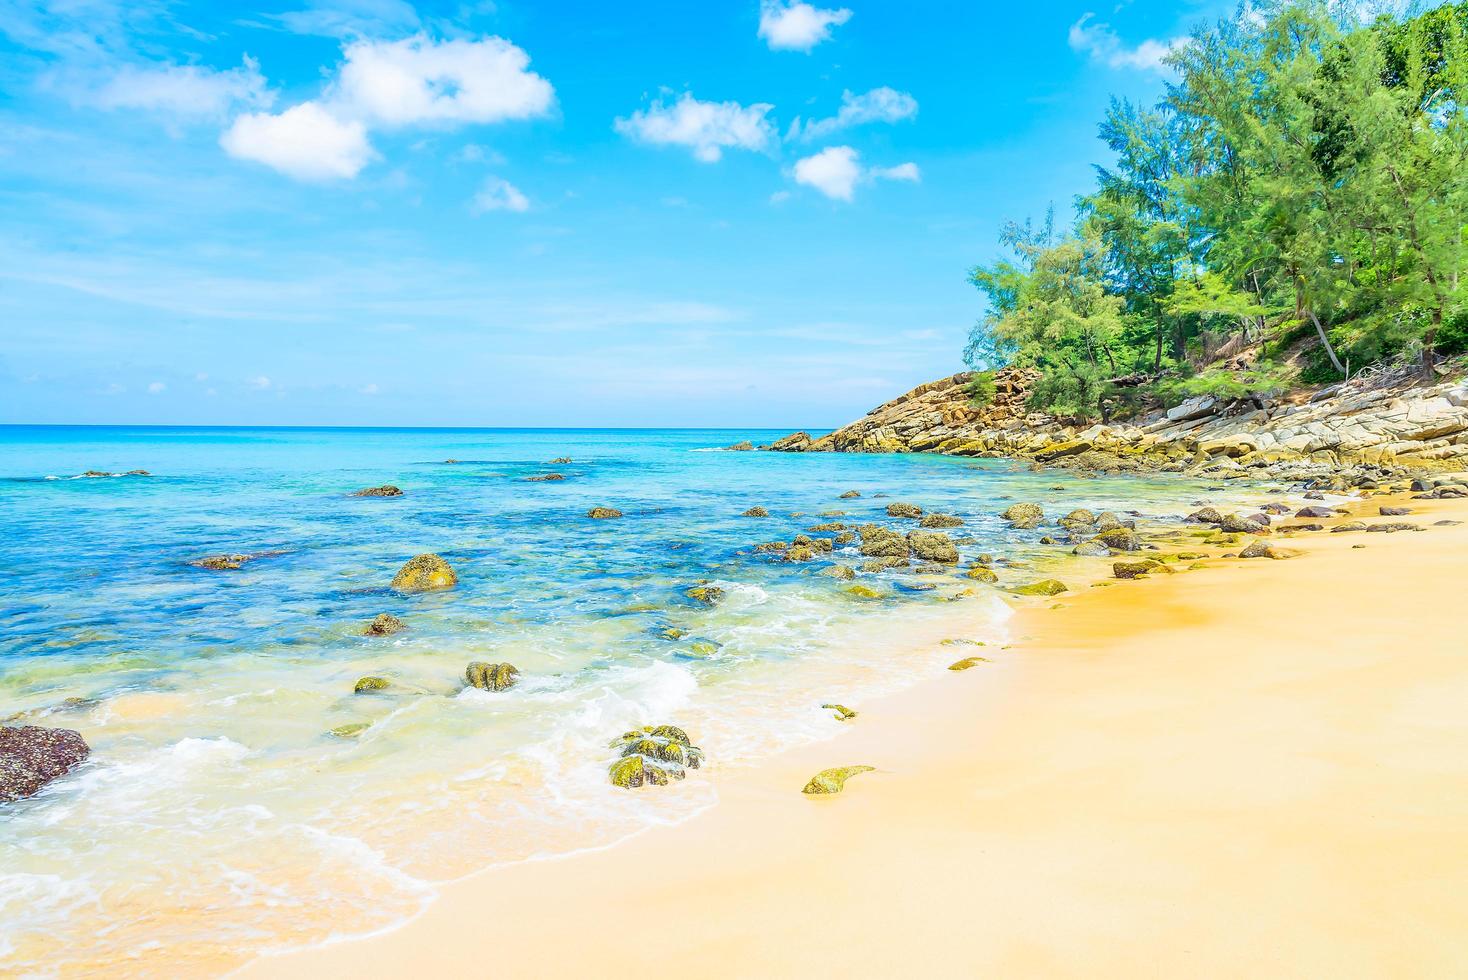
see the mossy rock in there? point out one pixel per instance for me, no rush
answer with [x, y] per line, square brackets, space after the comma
[371, 685]
[425, 573]
[770, 546]
[940, 520]
[603, 513]
[1134, 569]
[933, 546]
[883, 564]
[1047, 586]
[1119, 539]
[1024, 516]
[863, 592]
[968, 662]
[882, 542]
[384, 625]
[843, 572]
[755, 512]
[849, 495]
[1079, 516]
[800, 553]
[1259, 549]
[350, 730]
[1107, 521]
[904, 510]
[672, 633]
[961, 642]
[386, 490]
[491, 677]
[843, 713]
[634, 772]
[1206, 515]
[827, 528]
[845, 537]
[982, 573]
[709, 595]
[1091, 549]
[830, 781]
[653, 756]
[545, 478]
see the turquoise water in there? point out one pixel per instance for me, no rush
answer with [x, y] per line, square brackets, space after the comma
[217, 817]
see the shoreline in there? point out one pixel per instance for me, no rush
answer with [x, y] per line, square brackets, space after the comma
[1052, 819]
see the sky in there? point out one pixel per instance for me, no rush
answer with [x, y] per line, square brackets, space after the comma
[380, 212]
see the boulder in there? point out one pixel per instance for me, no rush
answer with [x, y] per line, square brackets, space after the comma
[831, 781]
[371, 685]
[561, 461]
[1206, 515]
[882, 542]
[843, 572]
[1119, 539]
[545, 478]
[707, 594]
[755, 512]
[1078, 516]
[933, 546]
[1091, 549]
[850, 495]
[1348, 526]
[1234, 524]
[384, 625]
[864, 592]
[982, 573]
[800, 552]
[1024, 516]
[1259, 549]
[32, 756]
[386, 490]
[653, 756]
[940, 520]
[794, 443]
[883, 564]
[603, 513]
[845, 537]
[741, 447]
[491, 677]
[1314, 512]
[1134, 569]
[1047, 586]
[1107, 521]
[425, 573]
[1394, 511]
[904, 510]
[968, 662]
[1391, 527]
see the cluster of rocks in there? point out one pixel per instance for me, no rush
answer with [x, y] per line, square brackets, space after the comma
[653, 756]
[386, 490]
[98, 474]
[1352, 434]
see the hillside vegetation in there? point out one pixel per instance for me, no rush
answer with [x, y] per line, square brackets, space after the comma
[1291, 212]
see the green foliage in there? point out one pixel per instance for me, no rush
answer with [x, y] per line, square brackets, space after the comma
[981, 391]
[1308, 167]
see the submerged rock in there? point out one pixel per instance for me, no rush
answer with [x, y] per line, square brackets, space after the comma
[371, 685]
[830, 781]
[940, 520]
[882, 542]
[1047, 586]
[849, 495]
[384, 625]
[603, 513]
[933, 546]
[844, 572]
[425, 573]
[904, 510]
[1024, 516]
[706, 594]
[883, 564]
[545, 478]
[350, 730]
[843, 713]
[800, 552]
[561, 461]
[755, 512]
[222, 562]
[864, 592]
[491, 677]
[386, 490]
[32, 756]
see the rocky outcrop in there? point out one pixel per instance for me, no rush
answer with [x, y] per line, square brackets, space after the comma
[653, 756]
[32, 756]
[386, 490]
[603, 513]
[1382, 428]
[491, 677]
[425, 573]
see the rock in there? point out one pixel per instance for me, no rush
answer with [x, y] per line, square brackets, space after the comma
[864, 592]
[845, 537]
[350, 730]
[1134, 569]
[741, 447]
[755, 512]
[830, 781]
[904, 510]
[1024, 516]
[707, 594]
[968, 662]
[843, 572]
[1303, 527]
[1047, 586]
[1260, 518]
[1206, 515]
[982, 573]
[1078, 516]
[1348, 526]
[32, 756]
[561, 461]
[491, 677]
[1391, 527]
[933, 546]
[800, 552]
[1107, 521]
[1119, 539]
[882, 542]
[827, 527]
[1314, 512]
[1047, 539]
[883, 564]
[371, 685]
[940, 520]
[1258, 549]
[603, 513]
[1278, 510]
[546, 478]
[1091, 549]
[384, 625]
[794, 443]
[843, 713]
[1234, 524]
[386, 490]
[1314, 495]
[653, 756]
[849, 495]
[137, 473]
[425, 573]
[221, 562]
[1394, 511]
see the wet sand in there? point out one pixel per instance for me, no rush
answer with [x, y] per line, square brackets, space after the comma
[1253, 768]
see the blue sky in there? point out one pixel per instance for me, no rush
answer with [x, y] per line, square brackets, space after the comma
[511, 213]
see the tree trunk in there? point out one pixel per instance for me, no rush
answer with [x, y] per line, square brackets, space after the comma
[1325, 342]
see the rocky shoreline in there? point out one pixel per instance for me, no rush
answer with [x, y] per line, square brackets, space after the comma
[1359, 434]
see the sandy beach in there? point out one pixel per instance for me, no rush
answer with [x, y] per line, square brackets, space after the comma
[1256, 767]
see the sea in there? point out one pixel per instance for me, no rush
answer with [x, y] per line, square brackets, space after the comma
[218, 817]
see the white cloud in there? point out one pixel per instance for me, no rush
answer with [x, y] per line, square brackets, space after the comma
[836, 171]
[184, 91]
[1102, 44]
[797, 26]
[260, 382]
[417, 80]
[351, 18]
[305, 141]
[498, 194]
[369, 389]
[705, 127]
[884, 105]
[157, 388]
[779, 197]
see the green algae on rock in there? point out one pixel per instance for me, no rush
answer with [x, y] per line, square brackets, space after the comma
[844, 572]
[968, 662]
[1047, 586]
[1024, 516]
[1134, 569]
[940, 520]
[850, 495]
[982, 573]
[707, 594]
[385, 624]
[491, 677]
[371, 685]
[904, 510]
[386, 490]
[351, 730]
[843, 713]
[755, 512]
[603, 513]
[1119, 539]
[652, 756]
[425, 573]
[882, 542]
[863, 592]
[830, 781]
[933, 546]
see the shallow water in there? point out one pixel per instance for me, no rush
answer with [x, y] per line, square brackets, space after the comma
[216, 816]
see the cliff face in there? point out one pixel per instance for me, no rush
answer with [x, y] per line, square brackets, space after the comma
[1364, 422]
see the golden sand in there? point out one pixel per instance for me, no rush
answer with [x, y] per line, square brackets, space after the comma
[1258, 768]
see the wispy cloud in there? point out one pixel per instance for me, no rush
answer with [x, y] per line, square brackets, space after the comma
[1104, 46]
[498, 194]
[706, 128]
[880, 105]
